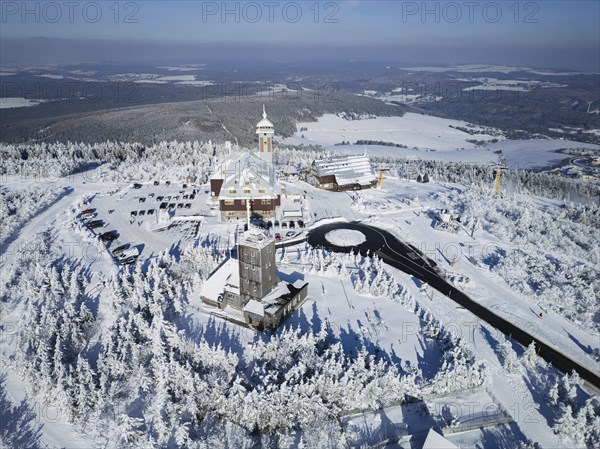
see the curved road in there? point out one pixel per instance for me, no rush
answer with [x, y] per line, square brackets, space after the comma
[411, 261]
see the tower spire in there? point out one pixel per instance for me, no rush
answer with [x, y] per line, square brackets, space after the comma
[264, 112]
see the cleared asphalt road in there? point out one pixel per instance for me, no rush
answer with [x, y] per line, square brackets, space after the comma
[411, 261]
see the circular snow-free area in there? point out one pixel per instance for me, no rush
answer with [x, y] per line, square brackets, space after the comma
[345, 237]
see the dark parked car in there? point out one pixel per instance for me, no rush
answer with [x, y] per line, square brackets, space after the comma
[180, 206]
[269, 224]
[137, 186]
[118, 250]
[142, 200]
[95, 224]
[292, 224]
[108, 236]
[134, 213]
[156, 183]
[276, 222]
[160, 198]
[164, 205]
[151, 212]
[172, 206]
[188, 206]
[300, 224]
[142, 213]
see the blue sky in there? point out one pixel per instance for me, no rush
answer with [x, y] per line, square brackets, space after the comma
[560, 33]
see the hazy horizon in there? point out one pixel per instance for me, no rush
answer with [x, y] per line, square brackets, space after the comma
[550, 34]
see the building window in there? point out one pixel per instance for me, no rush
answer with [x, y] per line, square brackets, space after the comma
[246, 190]
[261, 191]
[233, 191]
[229, 202]
[265, 202]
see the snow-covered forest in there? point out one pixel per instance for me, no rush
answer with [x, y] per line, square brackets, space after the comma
[120, 354]
[16, 207]
[549, 254]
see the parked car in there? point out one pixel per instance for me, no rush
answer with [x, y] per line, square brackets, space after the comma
[277, 223]
[151, 195]
[284, 225]
[129, 260]
[172, 206]
[88, 211]
[160, 198]
[300, 224]
[185, 197]
[137, 186]
[188, 206]
[150, 211]
[292, 224]
[180, 206]
[134, 213]
[193, 196]
[142, 200]
[156, 183]
[185, 186]
[88, 215]
[120, 249]
[277, 236]
[142, 213]
[168, 183]
[269, 224]
[163, 205]
[108, 236]
[94, 224]
[130, 252]
[168, 198]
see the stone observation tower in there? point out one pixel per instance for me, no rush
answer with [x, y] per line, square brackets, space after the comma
[258, 275]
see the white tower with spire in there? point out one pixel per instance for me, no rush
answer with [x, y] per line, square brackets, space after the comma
[265, 132]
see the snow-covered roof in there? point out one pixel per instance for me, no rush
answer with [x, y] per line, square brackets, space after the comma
[255, 238]
[435, 441]
[236, 162]
[281, 295]
[255, 307]
[227, 277]
[246, 175]
[264, 123]
[351, 169]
